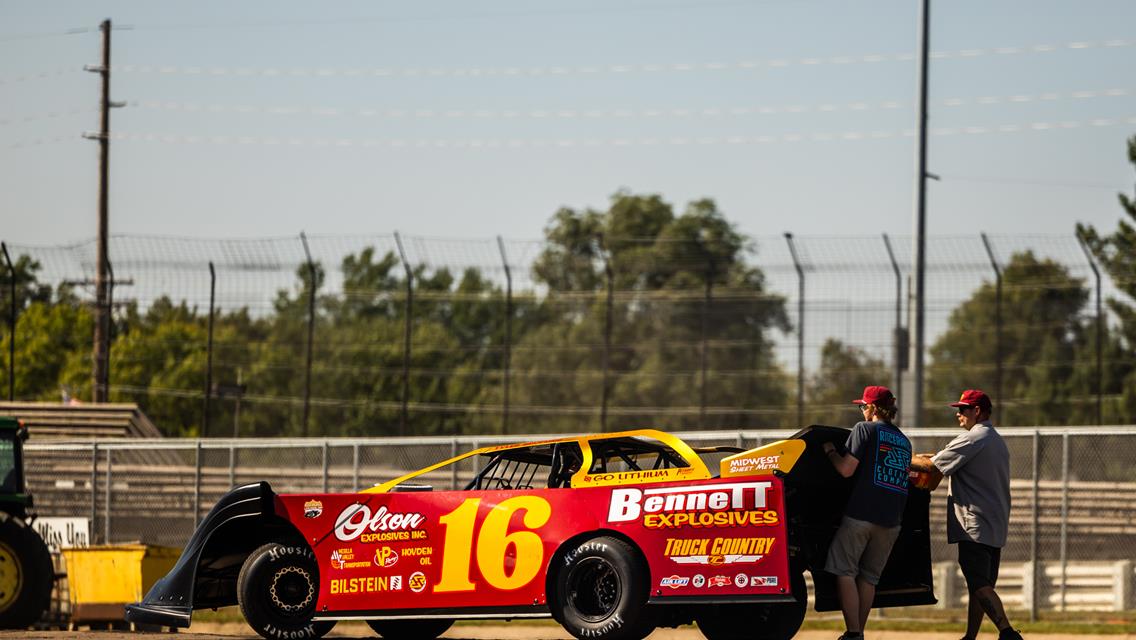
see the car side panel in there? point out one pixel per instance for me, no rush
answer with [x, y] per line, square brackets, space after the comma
[450, 550]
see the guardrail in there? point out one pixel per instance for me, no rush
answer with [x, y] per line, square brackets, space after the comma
[1073, 491]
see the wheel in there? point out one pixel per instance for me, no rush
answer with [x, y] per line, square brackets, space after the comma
[771, 621]
[601, 591]
[277, 591]
[410, 629]
[26, 574]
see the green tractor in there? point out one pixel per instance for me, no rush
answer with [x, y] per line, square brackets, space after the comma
[26, 572]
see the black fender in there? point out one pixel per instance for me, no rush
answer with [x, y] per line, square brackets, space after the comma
[205, 574]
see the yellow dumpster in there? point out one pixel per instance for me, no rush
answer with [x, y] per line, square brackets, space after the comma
[104, 579]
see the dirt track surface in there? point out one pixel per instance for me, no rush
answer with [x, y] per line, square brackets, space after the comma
[493, 632]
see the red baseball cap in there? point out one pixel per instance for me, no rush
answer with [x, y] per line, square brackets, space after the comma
[973, 398]
[880, 396]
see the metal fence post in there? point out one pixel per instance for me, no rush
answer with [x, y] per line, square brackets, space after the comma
[454, 467]
[508, 334]
[997, 316]
[899, 338]
[11, 322]
[355, 466]
[197, 483]
[107, 498]
[609, 278]
[704, 355]
[800, 330]
[325, 466]
[403, 417]
[1035, 519]
[209, 353]
[311, 332]
[94, 486]
[232, 466]
[1064, 513]
[1099, 329]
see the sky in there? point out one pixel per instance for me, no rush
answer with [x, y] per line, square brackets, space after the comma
[471, 120]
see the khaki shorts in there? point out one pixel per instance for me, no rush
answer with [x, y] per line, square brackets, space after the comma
[860, 549]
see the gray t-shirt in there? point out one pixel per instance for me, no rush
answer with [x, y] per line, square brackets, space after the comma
[977, 466]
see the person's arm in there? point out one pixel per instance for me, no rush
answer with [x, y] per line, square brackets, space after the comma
[921, 463]
[845, 464]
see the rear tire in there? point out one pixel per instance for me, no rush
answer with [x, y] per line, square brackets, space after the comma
[410, 629]
[26, 574]
[771, 621]
[602, 590]
[277, 590]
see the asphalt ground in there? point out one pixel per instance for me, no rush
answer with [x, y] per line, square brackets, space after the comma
[516, 631]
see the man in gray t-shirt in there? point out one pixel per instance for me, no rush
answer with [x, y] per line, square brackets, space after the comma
[977, 467]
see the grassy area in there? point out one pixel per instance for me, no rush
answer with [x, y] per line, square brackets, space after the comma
[898, 619]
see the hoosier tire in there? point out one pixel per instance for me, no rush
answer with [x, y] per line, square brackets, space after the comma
[26, 574]
[770, 621]
[602, 590]
[277, 591]
[410, 629]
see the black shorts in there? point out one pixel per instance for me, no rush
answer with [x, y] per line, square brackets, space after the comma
[979, 563]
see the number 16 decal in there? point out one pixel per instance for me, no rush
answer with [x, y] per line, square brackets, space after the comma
[493, 543]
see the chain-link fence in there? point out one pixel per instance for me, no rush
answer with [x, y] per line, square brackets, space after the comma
[1074, 496]
[401, 335]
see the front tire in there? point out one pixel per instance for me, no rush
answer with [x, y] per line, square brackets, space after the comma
[770, 621]
[26, 574]
[602, 590]
[410, 629]
[277, 591]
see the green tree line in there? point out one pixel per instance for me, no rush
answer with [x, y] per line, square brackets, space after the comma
[664, 265]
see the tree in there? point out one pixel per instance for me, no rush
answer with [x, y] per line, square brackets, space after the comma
[663, 267]
[1041, 337]
[843, 373]
[1116, 252]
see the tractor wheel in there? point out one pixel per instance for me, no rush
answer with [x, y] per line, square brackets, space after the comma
[26, 574]
[410, 629]
[277, 590]
[602, 590]
[771, 621]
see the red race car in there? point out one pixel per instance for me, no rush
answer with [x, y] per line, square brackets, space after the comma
[610, 534]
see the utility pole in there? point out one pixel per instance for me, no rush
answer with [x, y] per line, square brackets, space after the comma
[102, 308]
[919, 263]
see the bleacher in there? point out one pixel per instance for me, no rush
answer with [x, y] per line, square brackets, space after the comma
[81, 422]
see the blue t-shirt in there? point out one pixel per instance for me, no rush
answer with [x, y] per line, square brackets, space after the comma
[879, 486]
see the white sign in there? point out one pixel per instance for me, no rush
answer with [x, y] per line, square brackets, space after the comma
[64, 532]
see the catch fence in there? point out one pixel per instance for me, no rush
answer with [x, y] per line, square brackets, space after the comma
[406, 335]
[1073, 491]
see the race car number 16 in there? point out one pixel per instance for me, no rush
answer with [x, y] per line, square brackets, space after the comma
[492, 543]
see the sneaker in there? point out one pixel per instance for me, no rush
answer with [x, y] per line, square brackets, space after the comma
[1009, 633]
[851, 635]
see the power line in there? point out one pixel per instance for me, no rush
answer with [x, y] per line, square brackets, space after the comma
[647, 113]
[569, 143]
[669, 67]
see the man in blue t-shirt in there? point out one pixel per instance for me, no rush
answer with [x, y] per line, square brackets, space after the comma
[877, 459]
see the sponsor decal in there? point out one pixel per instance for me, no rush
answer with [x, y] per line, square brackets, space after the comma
[630, 475]
[741, 580]
[313, 509]
[344, 558]
[698, 580]
[370, 584]
[393, 536]
[417, 581]
[715, 505]
[719, 581]
[674, 582]
[357, 519]
[422, 553]
[385, 557]
[763, 581]
[718, 551]
[756, 463]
